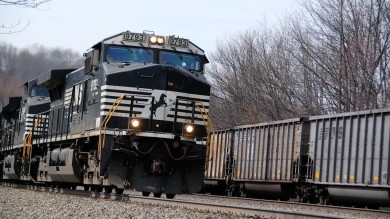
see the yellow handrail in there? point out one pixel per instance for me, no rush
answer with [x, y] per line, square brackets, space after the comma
[27, 140]
[114, 106]
[208, 125]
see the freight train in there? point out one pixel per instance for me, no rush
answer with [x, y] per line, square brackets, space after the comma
[135, 115]
[338, 159]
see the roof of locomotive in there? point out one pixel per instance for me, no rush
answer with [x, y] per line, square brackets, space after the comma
[11, 104]
[120, 39]
[53, 77]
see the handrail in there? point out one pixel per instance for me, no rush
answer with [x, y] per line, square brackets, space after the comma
[208, 125]
[28, 139]
[103, 126]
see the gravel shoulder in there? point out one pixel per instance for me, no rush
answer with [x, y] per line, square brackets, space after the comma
[21, 203]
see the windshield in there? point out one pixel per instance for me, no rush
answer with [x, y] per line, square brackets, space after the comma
[188, 61]
[129, 54]
[38, 91]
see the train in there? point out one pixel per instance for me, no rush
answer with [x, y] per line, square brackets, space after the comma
[340, 159]
[134, 116]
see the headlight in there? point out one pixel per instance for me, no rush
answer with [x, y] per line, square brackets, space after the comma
[153, 39]
[189, 128]
[159, 40]
[135, 123]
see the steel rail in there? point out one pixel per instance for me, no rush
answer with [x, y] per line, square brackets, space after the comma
[298, 206]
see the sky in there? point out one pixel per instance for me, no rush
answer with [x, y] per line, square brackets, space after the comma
[78, 25]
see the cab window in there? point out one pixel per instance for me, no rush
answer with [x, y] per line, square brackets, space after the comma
[38, 91]
[128, 54]
[188, 61]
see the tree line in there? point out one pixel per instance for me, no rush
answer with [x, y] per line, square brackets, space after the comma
[20, 65]
[332, 56]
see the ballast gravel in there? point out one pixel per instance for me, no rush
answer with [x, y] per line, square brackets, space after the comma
[23, 203]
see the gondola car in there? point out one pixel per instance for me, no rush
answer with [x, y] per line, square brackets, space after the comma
[337, 159]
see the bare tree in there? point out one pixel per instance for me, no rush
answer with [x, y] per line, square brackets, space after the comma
[24, 3]
[344, 44]
[252, 80]
[18, 26]
[334, 57]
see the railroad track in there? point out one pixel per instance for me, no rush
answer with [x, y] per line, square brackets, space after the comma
[234, 206]
[325, 211]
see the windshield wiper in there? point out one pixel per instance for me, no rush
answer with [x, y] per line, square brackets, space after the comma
[126, 63]
[180, 56]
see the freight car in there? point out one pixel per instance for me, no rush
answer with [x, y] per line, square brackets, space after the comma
[135, 115]
[261, 159]
[350, 153]
[340, 159]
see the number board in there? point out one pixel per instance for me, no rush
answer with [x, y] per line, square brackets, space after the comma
[173, 41]
[137, 37]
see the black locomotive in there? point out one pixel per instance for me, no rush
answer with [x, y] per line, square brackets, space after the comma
[134, 116]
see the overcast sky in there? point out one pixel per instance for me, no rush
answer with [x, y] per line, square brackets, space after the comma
[80, 24]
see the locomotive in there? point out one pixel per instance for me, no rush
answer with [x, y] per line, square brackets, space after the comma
[135, 115]
[337, 159]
